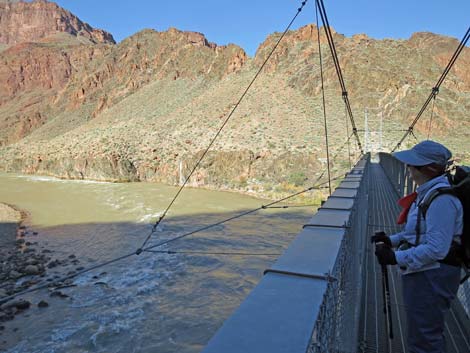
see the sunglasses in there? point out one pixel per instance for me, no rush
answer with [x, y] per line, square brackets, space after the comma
[417, 167]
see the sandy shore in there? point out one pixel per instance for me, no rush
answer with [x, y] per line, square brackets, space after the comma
[10, 220]
[9, 213]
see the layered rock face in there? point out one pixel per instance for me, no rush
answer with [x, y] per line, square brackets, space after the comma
[57, 77]
[147, 108]
[31, 21]
[44, 43]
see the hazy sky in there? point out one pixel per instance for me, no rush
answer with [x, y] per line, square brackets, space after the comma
[248, 22]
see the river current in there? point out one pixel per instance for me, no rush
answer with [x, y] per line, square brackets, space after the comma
[154, 302]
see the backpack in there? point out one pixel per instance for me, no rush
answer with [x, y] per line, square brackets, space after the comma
[460, 188]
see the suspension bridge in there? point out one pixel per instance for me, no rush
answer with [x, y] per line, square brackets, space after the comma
[324, 293]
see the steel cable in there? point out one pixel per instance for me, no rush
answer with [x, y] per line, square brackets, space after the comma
[349, 137]
[430, 119]
[154, 228]
[435, 89]
[211, 253]
[334, 54]
[323, 102]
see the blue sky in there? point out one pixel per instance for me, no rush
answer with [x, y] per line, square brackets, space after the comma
[248, 22]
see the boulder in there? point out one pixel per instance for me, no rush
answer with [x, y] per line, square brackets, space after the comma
[14, 274]
[59, 294]
[6, 316]
[31, 270]
[19, 304]
[22, 304]
[43, 304]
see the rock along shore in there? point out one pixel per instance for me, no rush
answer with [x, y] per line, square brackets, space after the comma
[10, 218]
[24, 263]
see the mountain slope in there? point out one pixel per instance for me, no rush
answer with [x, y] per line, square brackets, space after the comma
[145, 109]
[31, 21]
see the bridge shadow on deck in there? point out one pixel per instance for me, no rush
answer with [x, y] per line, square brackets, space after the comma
[383, 210]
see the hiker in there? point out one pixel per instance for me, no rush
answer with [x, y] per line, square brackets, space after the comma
[424, 249]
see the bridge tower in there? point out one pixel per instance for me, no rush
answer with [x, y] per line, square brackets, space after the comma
[373, 138]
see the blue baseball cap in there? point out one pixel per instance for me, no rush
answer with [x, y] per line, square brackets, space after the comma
[424, 153]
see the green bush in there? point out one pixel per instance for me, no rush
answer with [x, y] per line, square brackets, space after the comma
[297, 178]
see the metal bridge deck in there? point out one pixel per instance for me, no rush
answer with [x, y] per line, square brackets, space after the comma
[383, 210]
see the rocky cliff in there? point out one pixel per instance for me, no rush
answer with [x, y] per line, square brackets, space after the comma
[145, 109]
[31, 21]
[47, 79]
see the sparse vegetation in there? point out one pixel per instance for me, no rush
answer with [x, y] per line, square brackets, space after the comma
[161, 103]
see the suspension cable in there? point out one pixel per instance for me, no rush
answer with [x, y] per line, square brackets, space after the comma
[211, 253]
[162, 216]
[430, 119]
[323, 101]
[349, 136]
[386, 130]
[339, 73]
[293, 206]
[435, 89]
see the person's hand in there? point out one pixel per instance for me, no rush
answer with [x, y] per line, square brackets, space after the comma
[381, 237]
[385, 254]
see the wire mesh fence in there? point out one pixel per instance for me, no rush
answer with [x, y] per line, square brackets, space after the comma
[337, 325]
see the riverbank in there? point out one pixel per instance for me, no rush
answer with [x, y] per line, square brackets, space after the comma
[23, 264]
[255, 189]
[17, 261]
[10, 219]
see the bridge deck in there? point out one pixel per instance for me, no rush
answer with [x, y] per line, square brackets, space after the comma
[383, 210]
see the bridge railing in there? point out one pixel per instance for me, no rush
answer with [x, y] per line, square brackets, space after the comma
[336, 327]
[397, 174]
[308, 300]
[401, 180]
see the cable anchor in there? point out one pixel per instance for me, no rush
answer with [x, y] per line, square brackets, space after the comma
[303, 4]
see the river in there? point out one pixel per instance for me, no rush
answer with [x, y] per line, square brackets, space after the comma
[151, 302]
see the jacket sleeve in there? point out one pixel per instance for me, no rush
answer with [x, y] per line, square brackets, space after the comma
[441, 226]
[396, 238]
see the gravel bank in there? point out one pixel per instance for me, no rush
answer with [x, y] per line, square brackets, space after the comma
[25, 263]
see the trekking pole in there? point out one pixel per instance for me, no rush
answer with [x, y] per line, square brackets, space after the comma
[387, 300]
[384, 290]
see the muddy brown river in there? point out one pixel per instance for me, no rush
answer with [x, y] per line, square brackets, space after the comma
[151, 302]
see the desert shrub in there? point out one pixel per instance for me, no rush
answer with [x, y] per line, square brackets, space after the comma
[297, 178]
